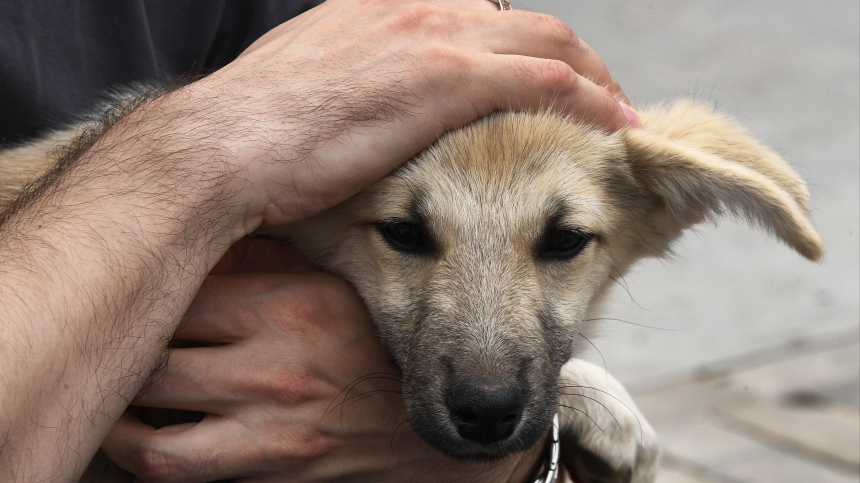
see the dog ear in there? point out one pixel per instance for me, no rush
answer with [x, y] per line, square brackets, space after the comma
[701, 165]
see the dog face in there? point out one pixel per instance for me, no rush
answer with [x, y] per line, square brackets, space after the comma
[479, 258]
[484, 262]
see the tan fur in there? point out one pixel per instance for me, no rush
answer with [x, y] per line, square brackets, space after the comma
[701, 163]
[19, 165]
[482, 305]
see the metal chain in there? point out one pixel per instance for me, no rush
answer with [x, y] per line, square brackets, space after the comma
[551, 474]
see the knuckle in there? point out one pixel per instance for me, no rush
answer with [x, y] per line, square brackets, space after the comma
[301, 445]
[424, 17]
[296, 308]
[307, 306]
[557, 75]
[286, 385]
[153, 465]
[442, 62]
[334, 290]
[333, 300]
[436, 53]
[560, 32]
[611, 108]
[321, 298]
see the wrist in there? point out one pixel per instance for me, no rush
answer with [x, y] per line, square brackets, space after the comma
[231, 153]
[174, 164]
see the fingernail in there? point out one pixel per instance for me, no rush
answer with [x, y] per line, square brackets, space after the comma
[631, 116]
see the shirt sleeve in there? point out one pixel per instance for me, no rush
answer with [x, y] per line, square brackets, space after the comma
[59, 58]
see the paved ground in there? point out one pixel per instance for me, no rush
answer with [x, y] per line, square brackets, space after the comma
[792, 418]
[751, 373]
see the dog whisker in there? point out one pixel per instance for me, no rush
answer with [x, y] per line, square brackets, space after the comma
[343, 395]
[372, 375]
[406, 432]
[605, 370]
[584, 414]
[365, 395]
[577, 386]
[631, 323]
[623, 285]
[598, 402]
[396, 412]
[579, 427]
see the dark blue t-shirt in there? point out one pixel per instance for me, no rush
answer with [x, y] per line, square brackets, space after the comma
[58, 58]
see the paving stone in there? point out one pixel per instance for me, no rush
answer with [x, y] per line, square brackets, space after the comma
[668, 474]
[777, 421]
[741, 458]
[833, 375]
[830, 434]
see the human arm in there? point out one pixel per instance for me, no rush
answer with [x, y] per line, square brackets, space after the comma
[99, 264]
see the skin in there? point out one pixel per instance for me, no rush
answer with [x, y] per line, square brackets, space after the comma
[99, 264]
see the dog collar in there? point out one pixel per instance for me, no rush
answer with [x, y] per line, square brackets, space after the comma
[551, 474]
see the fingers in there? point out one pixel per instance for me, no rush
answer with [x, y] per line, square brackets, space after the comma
[544, 36]
[520, 60]
[592, 94]
[592, 67]
[534, 83]
[214, 316]
[180, 453]
[530, 34]
[196, 379]
[478, 27]
[228, 308]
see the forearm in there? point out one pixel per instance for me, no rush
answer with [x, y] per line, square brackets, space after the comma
[97, 269]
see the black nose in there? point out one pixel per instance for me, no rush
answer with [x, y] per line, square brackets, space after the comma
[485, 411]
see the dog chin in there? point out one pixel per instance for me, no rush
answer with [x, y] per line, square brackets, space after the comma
[443, 436]
[454, 446]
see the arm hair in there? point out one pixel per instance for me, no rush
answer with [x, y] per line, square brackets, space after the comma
[99, 257]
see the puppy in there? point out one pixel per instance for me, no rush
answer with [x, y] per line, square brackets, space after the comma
[480, 257]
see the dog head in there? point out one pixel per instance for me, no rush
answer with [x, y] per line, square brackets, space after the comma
[479, 258]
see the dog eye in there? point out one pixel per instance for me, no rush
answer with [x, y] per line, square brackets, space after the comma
[406, 237]
[562, 244]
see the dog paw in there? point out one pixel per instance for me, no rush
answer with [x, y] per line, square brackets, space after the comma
[604, 437]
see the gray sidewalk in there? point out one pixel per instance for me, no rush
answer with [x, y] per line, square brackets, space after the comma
[791, 418]
[749, 371]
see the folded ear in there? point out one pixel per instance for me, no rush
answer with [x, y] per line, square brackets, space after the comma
[701, 165]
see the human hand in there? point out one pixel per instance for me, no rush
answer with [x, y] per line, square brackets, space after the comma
[295, 386]
[333, 100]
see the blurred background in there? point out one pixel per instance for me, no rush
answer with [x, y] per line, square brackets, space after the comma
[749, 367]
